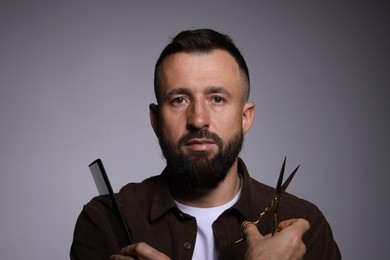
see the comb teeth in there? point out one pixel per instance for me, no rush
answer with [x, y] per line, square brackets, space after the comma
[104, 187]
[98, 178]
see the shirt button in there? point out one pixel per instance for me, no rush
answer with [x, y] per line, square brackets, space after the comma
[187, 245]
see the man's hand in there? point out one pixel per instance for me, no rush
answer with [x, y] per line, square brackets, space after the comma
[141, 251]
[284, 245]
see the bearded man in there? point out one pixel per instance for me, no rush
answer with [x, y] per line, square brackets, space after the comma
[196, 207]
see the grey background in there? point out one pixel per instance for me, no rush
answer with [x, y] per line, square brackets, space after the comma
[76, 81]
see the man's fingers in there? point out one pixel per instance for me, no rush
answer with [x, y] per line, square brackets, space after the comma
[286, 244]
[250, 230]
[141, 251]
[121, 257]
[301, 225]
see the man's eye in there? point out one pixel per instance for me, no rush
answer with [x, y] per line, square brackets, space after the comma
[218, 100]
[178, 100]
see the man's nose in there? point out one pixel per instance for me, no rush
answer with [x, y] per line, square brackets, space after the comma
[198, 117]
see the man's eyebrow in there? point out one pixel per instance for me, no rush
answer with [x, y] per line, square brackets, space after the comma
[178, 91]
[216, 90]
[208, 90]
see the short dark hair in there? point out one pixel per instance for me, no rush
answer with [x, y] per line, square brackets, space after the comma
[202, 41]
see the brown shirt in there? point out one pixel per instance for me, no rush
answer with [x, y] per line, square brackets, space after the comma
[152, 217]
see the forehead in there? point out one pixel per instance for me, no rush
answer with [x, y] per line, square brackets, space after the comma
[215, 68]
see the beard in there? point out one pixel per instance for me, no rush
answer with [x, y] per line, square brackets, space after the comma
[198, 169]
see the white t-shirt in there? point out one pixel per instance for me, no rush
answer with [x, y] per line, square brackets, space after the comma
[205, 246]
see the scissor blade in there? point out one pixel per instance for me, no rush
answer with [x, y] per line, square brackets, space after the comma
[279, 184]
[287, 182]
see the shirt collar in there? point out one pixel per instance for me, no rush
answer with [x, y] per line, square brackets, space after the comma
[162, 200]
[255, 196]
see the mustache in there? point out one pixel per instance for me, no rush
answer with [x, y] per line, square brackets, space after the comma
[201, 134]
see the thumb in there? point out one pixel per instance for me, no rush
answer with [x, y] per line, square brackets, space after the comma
[250, 231]
[300, 225]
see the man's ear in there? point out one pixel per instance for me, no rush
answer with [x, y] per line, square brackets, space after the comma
[248, 115]
[154, 117]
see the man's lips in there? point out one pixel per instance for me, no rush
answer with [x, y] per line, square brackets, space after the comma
[200, 144]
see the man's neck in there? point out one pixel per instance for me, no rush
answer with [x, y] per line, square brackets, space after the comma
[222, 194]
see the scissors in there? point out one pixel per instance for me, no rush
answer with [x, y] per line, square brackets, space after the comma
[274, 205]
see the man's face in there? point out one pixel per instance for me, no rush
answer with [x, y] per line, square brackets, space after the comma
[201, 117]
